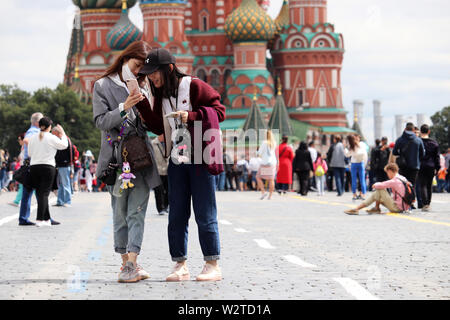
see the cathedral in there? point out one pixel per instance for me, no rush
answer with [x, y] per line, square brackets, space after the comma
[288, 68]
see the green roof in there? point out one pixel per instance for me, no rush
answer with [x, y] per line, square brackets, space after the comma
[255, 119]
[315, 110]
[251, 74]
[240, 111]
[232, 124]
[337, 129]
[280, 118]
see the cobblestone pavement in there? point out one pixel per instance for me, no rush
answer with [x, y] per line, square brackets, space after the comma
[290, 247]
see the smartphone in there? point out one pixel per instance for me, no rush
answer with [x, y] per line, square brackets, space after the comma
[133, 86]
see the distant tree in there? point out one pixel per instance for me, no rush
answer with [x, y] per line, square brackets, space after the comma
[61, 105]
[440, 129]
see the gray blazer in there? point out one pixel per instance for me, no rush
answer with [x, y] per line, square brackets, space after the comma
[106, 98]
[338, 157]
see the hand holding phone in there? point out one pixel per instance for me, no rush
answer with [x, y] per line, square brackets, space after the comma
[133, 86]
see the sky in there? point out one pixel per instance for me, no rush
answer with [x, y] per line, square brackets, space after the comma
[397, 52]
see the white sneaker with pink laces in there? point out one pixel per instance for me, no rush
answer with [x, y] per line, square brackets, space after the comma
[180, 273]
[210, 273]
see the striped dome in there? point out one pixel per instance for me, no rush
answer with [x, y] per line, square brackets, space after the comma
[102, 4]
[283, 17]
[123, 33]
[249, 22]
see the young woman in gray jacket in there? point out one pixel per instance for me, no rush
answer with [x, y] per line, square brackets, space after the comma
[116, 116]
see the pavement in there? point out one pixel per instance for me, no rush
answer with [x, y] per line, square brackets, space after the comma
[287, 248]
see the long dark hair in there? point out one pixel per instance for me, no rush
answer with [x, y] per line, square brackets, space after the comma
[303, 146]
[136, 50]
[352, 142]
[170, 79]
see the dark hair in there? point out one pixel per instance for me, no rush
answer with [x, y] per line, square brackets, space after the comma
[311, 144]
[377, 142]
[409, 126]
[352, 141]
[284, 139]
[170, 80]
[425, 128]
[21, 136]
[319, 155]
[136, 50]
[44, 123]
[338, 139]
[384, 139]
[303, 146]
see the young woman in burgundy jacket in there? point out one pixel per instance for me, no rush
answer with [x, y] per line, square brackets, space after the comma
[187, 100]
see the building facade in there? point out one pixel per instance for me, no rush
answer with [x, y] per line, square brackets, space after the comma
[226, 43]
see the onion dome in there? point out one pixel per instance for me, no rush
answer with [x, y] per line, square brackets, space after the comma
[283, 17]
[124, 31]
[249, 22]
[102, 4]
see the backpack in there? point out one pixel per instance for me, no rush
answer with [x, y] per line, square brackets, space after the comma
[410, 196]
[319, 170]
[402, 162]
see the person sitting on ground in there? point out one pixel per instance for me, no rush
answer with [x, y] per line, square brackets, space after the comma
[394, 203]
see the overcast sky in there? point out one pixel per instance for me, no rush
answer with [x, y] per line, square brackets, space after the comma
[396, 51]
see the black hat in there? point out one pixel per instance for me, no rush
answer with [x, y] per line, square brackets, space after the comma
[155, 59]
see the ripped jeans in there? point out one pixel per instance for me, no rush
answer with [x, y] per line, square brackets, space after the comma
[129, 215]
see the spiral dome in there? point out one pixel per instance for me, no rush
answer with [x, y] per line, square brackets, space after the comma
[124, 32]
[249, 22]
[102, 4]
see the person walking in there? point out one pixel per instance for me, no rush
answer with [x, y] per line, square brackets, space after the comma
[87, 170]
[338, 164]
[358, 156]
[27, 191]
[320, 171]
[64, 162]
[161, 191]
[118, 119]
[268, 166]
[20, 159]
[179, 103]
[303, 166]
[410, 151]
[380, 159]
[381, 196]
[429, 167]
[285, 157]
[42, 149]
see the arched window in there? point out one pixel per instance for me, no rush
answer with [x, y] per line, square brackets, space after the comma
[201, 74]
[215, 78]
[226, 75]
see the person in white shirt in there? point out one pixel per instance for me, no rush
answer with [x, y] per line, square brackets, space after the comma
[358, 154]
[253, 167]
[268, 166]
[42, 149]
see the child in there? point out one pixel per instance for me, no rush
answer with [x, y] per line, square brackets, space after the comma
[320, 170]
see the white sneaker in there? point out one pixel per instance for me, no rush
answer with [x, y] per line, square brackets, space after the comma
[47, 223]
[67, 205]
[39, 223]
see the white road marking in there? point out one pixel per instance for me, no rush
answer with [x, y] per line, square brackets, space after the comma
[5, 220]
[225, 222]
[264, 244]
[355, 289]
[240, 230]
[296, 260]
[438, 201]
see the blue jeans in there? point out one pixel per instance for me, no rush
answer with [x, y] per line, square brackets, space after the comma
[220, 181]
[129, 215]
[188, 181]
[358, 170]
[339, 175]
[64, 188]
[25, 204]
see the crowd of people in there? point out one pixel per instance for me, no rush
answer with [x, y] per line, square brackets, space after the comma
[349, 165]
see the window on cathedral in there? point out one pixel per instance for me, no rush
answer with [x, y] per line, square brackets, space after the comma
[300, 98]
[205, 23]
[99, 38]
[322, 97]
[321, 43]
[316, 15]
[226, 75]
[201, 74]
[298, 44]
[215, 78]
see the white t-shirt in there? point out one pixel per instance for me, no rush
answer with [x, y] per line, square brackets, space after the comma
[313, 153]
[358, 155]
[44, 151]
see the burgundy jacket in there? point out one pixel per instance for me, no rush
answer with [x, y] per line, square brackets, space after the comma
[204, 100]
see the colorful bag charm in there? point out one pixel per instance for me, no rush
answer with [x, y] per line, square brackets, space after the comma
[126, 175]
